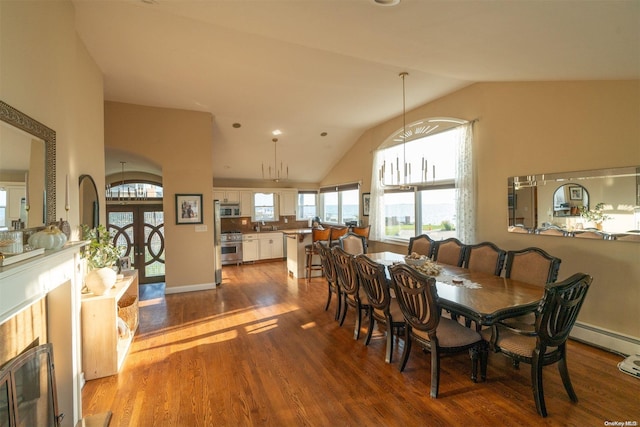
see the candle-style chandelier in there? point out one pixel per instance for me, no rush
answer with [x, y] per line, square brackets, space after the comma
[275, 172]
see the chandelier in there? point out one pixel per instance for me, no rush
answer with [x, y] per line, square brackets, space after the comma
[275, 172]
[399, 174]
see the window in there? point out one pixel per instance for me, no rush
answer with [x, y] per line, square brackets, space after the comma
[307, 204]
[430, 201]
[264, 207]
[340, 204]
[134, 190]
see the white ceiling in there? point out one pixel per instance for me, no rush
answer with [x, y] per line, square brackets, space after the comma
[312, 66]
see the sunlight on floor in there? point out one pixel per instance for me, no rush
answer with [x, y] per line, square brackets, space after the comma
[309, 325]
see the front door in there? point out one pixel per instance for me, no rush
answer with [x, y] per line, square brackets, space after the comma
[140, 229]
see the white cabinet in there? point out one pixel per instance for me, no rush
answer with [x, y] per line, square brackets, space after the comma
[226, 195]
[270, 245]
[250, 247]
[246, 203]
[288, 202]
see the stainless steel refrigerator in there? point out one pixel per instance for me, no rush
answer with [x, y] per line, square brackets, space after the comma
[217, 245]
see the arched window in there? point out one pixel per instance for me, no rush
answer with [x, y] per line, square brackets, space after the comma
[422, 182]
[134, 190]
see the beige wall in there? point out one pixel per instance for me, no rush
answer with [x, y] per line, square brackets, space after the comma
[180, 142]
[541, 127]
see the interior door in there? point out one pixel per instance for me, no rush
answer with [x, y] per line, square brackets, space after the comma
[140, 228]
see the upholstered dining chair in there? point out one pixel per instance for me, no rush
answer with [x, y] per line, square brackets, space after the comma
[329, 270]
[364, 232]
[555, 316]
[336, 233]
[353, 243]
[591, 234]
[352, 294]
[552, 231]
[485, 257]
[382, 307]
[449, 251]
[418, 300]
[310, 250]
[422, 245]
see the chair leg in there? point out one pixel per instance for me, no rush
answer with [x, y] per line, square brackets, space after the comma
[339, 305]
[435, 372]
[372, 321]
[484, 358]
[326, 307]
[356, 331]
[564, 374]
[473, 353]
[536, 381]
[389, 350]
[345, 307]
[407, 348]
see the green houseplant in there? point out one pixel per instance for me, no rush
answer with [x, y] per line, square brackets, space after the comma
[595, 215]
[101, 255]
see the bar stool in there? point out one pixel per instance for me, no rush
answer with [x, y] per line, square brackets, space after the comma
[336, 233]
[317, 235]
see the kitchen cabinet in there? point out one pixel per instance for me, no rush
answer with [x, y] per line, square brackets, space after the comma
[226, 195]
[246, 202]
[270, 245]
[103, 349]
[288, 202]
[250, 247]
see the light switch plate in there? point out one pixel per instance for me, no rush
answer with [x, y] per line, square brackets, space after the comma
[201, 228]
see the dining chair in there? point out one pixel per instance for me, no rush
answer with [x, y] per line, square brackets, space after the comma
[329, 270]
[555, 316]
[422, 245]
[449, 251]
[552, 231]
[485, 257]
[352, 294]
[353, 243]
[518, 228]
[336, 233]
[382, 307]
[310, 250]
[589, 234]
[532, 265]
[418, 300]
[362, 231]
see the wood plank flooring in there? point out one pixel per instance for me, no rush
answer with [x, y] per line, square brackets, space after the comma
[261, 351]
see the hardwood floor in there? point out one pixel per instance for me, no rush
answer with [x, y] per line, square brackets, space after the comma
[261, 350]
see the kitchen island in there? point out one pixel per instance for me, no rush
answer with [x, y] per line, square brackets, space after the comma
[297, 239]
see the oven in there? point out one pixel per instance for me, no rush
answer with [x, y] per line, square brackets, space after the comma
[231, 247]
[229, 210]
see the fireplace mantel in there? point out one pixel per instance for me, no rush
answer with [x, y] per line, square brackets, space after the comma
[56, 275]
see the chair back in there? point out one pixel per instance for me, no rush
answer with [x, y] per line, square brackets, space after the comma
[422, 245]
[449, 251]
[532, 265]
[591, 235]
[320, 234]
[336, 233]
[485, 257]
[551, 231]
[345, 272]
[362, 231]
[417, 297]
[373, 278]
[353, 243]
[326, 259]
[559, 308]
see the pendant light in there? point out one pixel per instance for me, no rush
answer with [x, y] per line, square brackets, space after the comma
[276, 172]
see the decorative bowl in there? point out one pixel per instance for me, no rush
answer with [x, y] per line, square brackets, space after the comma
[416, 261]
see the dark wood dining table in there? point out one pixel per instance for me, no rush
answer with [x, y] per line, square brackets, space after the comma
[490, 299]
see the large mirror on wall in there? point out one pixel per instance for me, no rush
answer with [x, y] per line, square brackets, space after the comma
[27, 171]
[597, 204]
[89, 206]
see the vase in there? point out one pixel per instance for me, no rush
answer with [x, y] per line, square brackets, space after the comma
[100, 280]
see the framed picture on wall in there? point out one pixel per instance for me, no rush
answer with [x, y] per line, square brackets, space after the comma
[366, 203]
[575, 193]
[188, 208]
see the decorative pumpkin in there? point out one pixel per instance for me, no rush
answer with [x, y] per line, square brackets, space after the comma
[49, 238]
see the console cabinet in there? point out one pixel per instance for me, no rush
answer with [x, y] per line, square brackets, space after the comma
[103, 350]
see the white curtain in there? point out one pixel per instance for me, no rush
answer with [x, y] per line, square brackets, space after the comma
[465, 186]
[376, 206]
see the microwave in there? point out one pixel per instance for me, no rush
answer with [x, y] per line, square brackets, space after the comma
[229, 210]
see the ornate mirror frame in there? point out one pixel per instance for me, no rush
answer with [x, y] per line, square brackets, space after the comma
[19, 120]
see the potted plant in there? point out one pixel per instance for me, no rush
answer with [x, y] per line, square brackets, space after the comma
[101, 255]
[595, 215]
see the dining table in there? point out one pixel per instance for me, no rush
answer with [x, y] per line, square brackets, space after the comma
[481, 297]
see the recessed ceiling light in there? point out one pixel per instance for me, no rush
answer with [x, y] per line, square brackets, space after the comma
[277, 132]
[386, 2]
[236, 125]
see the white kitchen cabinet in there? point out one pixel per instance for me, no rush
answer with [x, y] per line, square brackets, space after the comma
[288, 202]
[246, 203]
[226, 195]
[250, 247]
[270, 245]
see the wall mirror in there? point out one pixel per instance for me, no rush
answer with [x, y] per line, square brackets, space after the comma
[89, 207]
[27, 169]
[602, 204]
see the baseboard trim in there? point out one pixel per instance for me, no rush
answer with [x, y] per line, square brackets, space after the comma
[606, 339]
[189, 288]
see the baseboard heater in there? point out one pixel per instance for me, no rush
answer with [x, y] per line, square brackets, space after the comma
[606, 339]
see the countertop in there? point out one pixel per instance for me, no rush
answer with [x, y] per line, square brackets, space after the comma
[297, 231]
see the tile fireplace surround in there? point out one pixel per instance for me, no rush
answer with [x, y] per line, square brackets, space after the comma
[40, 300]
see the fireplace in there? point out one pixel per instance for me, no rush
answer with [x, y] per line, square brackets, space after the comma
[28, 390]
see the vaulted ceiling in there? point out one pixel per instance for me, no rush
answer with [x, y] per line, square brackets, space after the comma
[311, 66]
